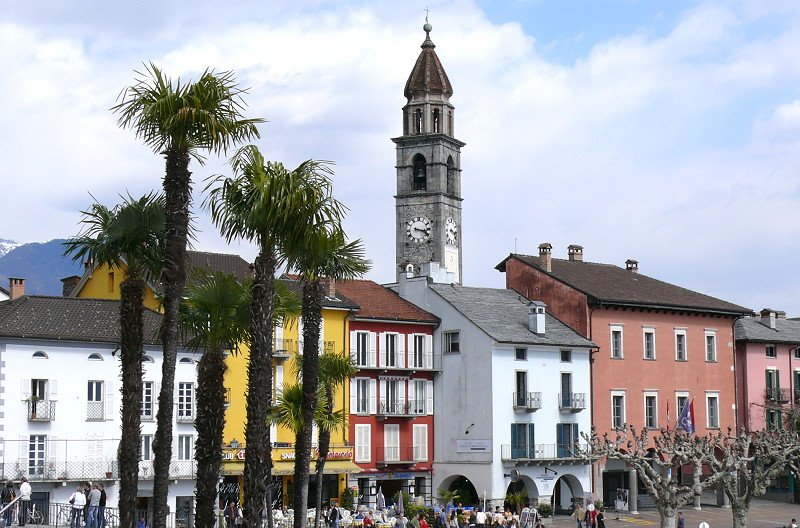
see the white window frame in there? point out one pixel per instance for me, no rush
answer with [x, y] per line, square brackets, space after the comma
[654, 395]
[391, 360]
[37, 454]
[419, 406]
[420, 432]
[774, 349]
[712, 395]
[678, 408]
[363, 441]
[95, 400]
[711, 352]
[148, 399]
[391, 453]
[362, 383]
[418, 351]
[681, 333]
[617, 328]
[648, 330]
[186, 401]
[362, 338]
[185, 447]
[517, 354]
[623, 421]
[146, 451]
[447, 341]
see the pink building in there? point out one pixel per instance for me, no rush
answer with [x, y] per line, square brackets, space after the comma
[767, 369]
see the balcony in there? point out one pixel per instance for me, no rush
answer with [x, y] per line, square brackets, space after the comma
[400, 455]
[527, 401]
[283, 348]
[178, 469]
[329, 347]
[148, 415]
[777, 395]
[400, 409]
[95, 411]
[185, 414]
[405, 363]
[41, 410]
[540, 454]
[572, 402]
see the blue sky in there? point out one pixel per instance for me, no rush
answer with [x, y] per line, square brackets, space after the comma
[668, 132]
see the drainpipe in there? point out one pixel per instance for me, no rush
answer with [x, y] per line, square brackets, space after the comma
[591, 390]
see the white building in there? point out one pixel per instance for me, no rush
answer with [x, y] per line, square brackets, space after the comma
[512, 398]
[60, 400]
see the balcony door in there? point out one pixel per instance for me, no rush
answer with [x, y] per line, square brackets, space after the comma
[391, 442]
[522, 440]
[566, 438]
[566, 389]
[521, 388]
[773, 383]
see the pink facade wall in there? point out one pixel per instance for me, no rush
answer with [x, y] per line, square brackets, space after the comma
[753, 362]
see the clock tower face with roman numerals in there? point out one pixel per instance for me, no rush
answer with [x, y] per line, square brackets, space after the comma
[428, 199]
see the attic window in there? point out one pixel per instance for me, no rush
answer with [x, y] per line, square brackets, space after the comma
[186, 360]
[39, 355]
[95, 357]
[147, 359]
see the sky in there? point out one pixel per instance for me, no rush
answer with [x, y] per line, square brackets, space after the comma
[666, 132]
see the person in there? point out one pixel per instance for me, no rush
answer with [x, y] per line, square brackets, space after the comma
[141, 523]
[580, 515]
[591, 515]
[422, 522]
[78, 501]
[24, 500]
[793, 524]
[525, 517]
[601, 519]
[231, 511]
[87, 488]
[473, 519]
[681, 520]
[333, 517]
[452, 520]
[480, 519]
[94, 507]
[7, 495]
[101, 512]
[400, 521]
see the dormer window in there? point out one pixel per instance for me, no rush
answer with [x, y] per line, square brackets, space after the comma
[95, 357]
[39, 355]
[186, 360]
[420, 179]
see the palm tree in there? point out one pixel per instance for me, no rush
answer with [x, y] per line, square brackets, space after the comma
[274, 207]
[179, 121]
[324, 254]
[129, 236]
[216, 319]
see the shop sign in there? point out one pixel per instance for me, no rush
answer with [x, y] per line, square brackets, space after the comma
[473, 446]
[333, 454]
[233, 454]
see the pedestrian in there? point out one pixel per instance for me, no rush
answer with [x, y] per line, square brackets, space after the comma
[333, 517]
[78, 501]
[681, 520]
[7, 495]
[452, 520]
[101, 512]
[230, 513]
[580, 515]
[480, 519]
[87, 488]
[525, 517]
[793, 524]
[591, 515]
[601, 519]
[24, 500]
[94, 506]
[422, 522]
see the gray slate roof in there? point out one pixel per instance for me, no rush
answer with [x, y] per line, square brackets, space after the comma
[68, 319]
[751, 329]
[503, 315]
[608, 283]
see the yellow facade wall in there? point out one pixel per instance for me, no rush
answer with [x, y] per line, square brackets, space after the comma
[104, 283]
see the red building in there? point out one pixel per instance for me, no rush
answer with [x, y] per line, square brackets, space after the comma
[391, 396]
[660, 346]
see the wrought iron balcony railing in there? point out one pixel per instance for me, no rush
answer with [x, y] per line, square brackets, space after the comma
[41, 410]
[387, 455]
[95, 411]
[527, 401]
[540, 451]
[777, 395]
[572, 402]
[402, 408]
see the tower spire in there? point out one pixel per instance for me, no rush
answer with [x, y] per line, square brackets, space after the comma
[427, 28]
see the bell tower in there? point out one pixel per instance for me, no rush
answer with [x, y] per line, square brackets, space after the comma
[428, 199]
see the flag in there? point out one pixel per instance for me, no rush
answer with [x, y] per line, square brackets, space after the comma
[686, 419]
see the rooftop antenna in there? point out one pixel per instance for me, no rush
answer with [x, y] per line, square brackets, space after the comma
[515, 244]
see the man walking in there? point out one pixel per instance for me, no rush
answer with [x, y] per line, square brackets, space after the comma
[24, 501]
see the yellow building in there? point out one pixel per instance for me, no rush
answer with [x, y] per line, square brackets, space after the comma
[104, 283]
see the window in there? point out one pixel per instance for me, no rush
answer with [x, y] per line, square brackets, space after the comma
[420, 439]
[436, 121]
[681, 401]
[390, 398]
[797, 387]
[771, 351]
[566, 439]
[390, 350]
[147, 359]
[773, 419]
[147, 448]
[418, 403]
[796, 353]
[185, 401]
[362, 396]
[772, 384]
[95, 357]
[420, 182]
[186, 361]
[651, 410]
[520, 396]
[649, 343]
[362, 349]
[523, 443]
[185, 447]
[39, 355]
[711, 346]
[391, 442]
[566, 390]
[451, 343]
[148, 390]
[363, 439]
[36, 454]
[712, 410]
[418, 121]
[110, 281]
[39, 389]
[520, 354]
[419, 351]
[94, 399]
[680, 345]
[617, 410]
[451, 175]
[616, 342]
[566, 356]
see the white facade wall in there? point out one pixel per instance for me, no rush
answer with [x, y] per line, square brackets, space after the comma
[80, 437]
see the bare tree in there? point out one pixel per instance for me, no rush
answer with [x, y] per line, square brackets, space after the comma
[747, 461]
[658, 461]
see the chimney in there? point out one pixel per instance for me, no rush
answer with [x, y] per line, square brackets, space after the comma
[68, 284]
[632, 265]
[780, 314]
[409, 271]
[536, 317]
[575, 252]
[545, 256]
[16, 287]
[330, 286]
[768, 317]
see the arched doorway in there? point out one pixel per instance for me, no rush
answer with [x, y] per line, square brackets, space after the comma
[566, 491]
[463, 487]
[520, 492]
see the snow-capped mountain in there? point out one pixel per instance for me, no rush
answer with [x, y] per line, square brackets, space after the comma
[7, 245]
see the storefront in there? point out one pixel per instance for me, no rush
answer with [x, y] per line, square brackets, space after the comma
[389, 484]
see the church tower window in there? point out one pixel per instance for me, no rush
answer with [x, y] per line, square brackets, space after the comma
[418, 121]
[436, 121]
[420, 182]
[451, 175]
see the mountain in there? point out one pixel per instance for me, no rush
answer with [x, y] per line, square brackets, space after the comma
[41, 264]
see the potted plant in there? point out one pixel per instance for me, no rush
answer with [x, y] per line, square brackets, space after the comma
[32, 401]
[546, 513]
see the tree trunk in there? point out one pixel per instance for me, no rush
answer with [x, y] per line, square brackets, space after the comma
[178, 194]
[209, 422]
[667, 516]
[131, 342]
[258, 463]
[312, 316]
[324, 448]
[740, 512]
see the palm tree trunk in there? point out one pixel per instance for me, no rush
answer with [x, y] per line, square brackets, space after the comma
[210, 422]
[258, 463]
[178, 195]
[131, 342]
[322, 457]
[312, 317]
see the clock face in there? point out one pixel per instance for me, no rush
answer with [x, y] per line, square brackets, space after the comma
[450, 231]
[418, 229]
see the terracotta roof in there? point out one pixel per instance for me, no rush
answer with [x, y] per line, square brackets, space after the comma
[611, 284]
[427, 75]
[69, 319]
[377, 302]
